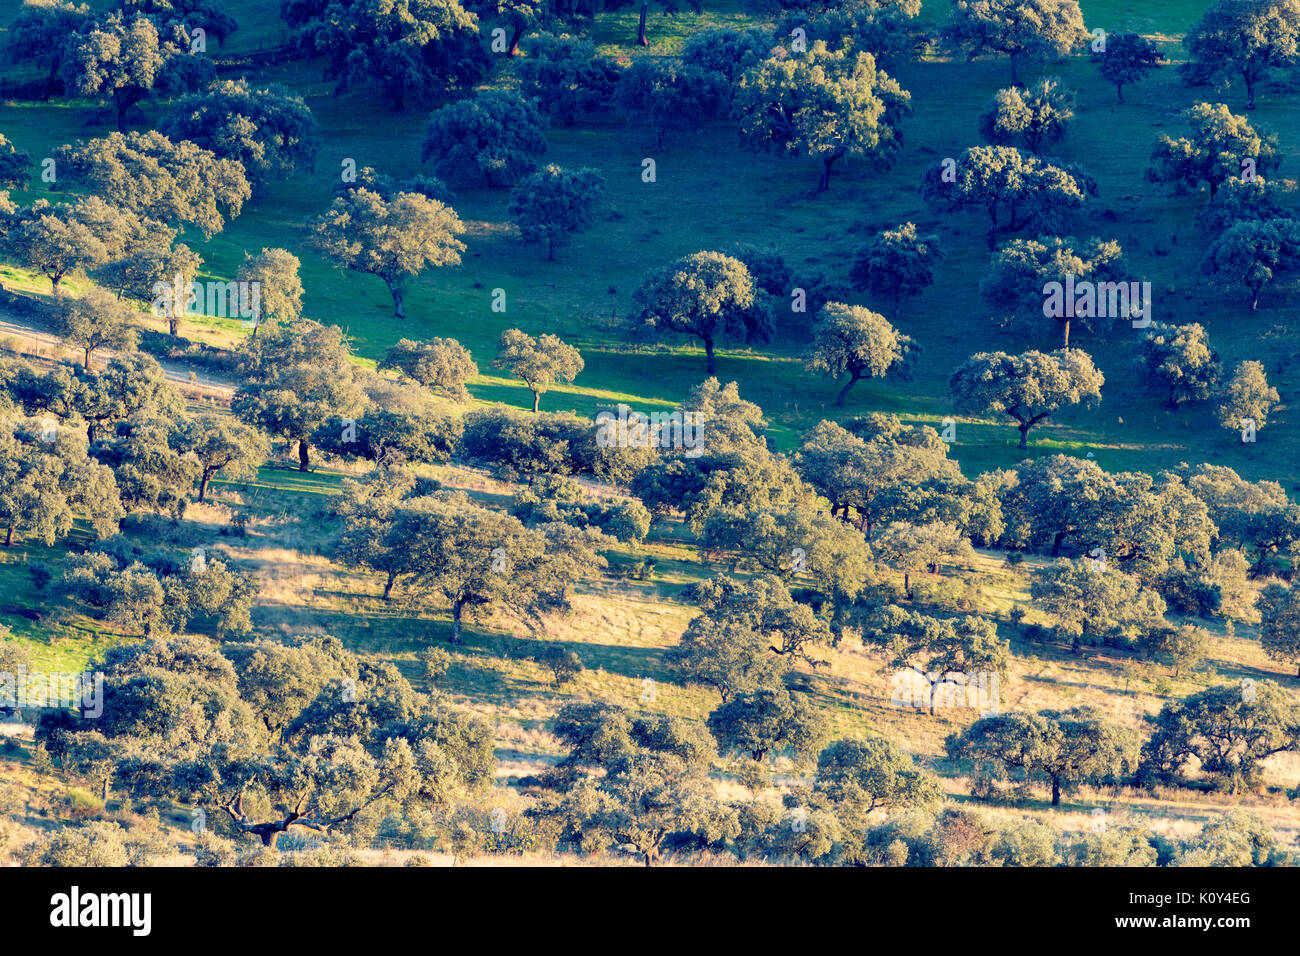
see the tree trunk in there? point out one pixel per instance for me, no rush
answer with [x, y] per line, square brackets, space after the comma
[1119, 91]
[1024, 436]
[173, 325]
[825, 182]
[1250, 93]
[9, 535]
[1066, 333]
[388, 585]
[537, 400]
[87, 351]
[1015, 69]
[708, 351]
[203, 483]
[1056, 543]
[398, 311]
[1254, 300]
[303, 454]
[514, 41]
[839, 399]
[456, 607]
[642, 41]
[1056, 792]
[907, 584]
[103, 790]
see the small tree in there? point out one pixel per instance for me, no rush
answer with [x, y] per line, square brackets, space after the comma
[540, 362]
[1127, 58]
[563, 663]
[1178, 360]
[553, 203]
[852, 340]
[1031, 118]
[497, 134]
[225, 445]
[443, 365]
[392, 239]
[279, 287]
[1024, 30]
[669, 95]
[1245, 39]
[1247, 397]
[1220, 147]
[1279, 626]
[896, 263]
[766, 721]
[706, 295]
[96, 320]
[825, 105]
[1027, 387]
[1252, 253]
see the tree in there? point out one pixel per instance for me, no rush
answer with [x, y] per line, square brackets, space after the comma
[1259, 513]
[148, 174]
[409, 52]
[391, 239]
[132, 386]
[14, 166]
[566, 78]
[1246, 397]
[468, 555]
[896, 263]
[267, 130]
[1003, 180]
[956, 652]
[187, 15]
[553, 203]
[706, 295]
[1095, 602]
[296, 377]
[1252, 253]
[55, 243]
[1024, 30]
[887, 29]
[540, 362]
[279, 288]
[728, 655]
[1064, 749]
[638, 781]
[517, 15]
[40, 33]
[1021, 268]
[911, 548]
[825, 105]
[443, 365]
[563, 663]
[727, 51]
[668, 94]
[124, 60]
[1279, 626]
[1240, 200]
[1127, 58]
[1221, 147]
[96, 320]
[1027, 387]
[1236, 838]
[850, 339]
[224, 445]
[1033, 117]
[1229, 729]
[1178, 360]
[1245, 39]
[766, 721]
[1184, 646]
[153, 473]
[47, 480]
[496, 133]
[859, 776]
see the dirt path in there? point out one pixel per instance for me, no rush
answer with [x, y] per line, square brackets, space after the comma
[203, 383]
